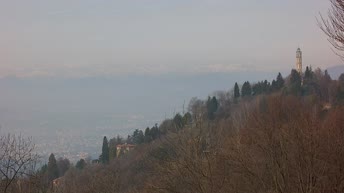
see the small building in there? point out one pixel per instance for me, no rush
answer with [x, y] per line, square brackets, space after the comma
[124, 148]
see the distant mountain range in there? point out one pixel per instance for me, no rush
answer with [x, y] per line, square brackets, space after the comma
[335, 71]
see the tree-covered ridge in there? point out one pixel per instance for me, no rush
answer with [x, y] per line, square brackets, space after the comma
[316, 83]
[256, 137]
[282, 137]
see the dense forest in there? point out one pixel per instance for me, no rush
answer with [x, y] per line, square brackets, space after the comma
[283, 136]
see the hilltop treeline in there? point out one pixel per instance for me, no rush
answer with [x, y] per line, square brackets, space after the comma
[284, 136]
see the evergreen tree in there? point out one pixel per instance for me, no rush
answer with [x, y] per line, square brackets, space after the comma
[308, 75]
[43, 169]
[261, 87]
[52, 169]
[274, 86]
[279, 81]
[129, 139]
[340, 91]
[341, 79]
[236, 91]
[155, 133]
[105, 151]
[80, 164]
[63, 165]
[187, 118]
[246, 89]
[138, 136]
[148, 137]
[295, 82]
[178, 121]
[212, 106]
[267, 86]
[327, 76]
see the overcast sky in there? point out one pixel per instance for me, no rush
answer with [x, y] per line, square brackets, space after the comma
[77, 38]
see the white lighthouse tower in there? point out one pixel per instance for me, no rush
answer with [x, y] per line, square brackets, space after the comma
[299, 61]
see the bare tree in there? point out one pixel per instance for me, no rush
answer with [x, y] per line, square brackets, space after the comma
[333, 26]
[17, 159]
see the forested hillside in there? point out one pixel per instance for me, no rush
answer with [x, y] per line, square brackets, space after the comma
[283, 136]
[73, 71]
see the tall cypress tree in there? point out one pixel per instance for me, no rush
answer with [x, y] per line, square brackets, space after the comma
[105, 151]
[236, 91]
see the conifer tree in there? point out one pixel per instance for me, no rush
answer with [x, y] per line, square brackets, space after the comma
[178, 121]
[105, 151]
[148, 137]
[340, 90]
[52, 169]
[80, 164]
[138, 136]
[279, 81]
[308, 75]
[212, 106]
[187, 118]
[246, 89]
[236, 91]
[327, 76]
[274, 86]
[295, 82]
[155, 133]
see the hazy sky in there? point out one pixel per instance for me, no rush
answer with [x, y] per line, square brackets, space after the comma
[77, 38]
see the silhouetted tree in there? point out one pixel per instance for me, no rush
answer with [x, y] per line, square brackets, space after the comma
[246, 89]
[129, 139]
[178, 121]
[63, 165]
[17, 159]
[340, 92]
[308, 77]
[334, 25]
[105, 151]
[236, 91]
[155, 131]
[295, 82]
[148, 137]
[80, 164]
[212, 106]
[341, 78]
[187, 118]
[52, 170]
[262, 87]
[138, 136]
[279, 81]
[274, 86]
[327, 77]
